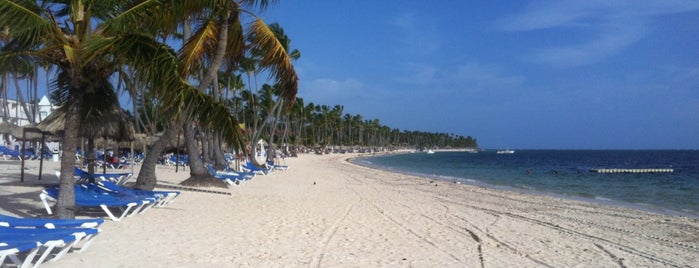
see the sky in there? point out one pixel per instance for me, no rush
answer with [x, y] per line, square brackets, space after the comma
[590, 74]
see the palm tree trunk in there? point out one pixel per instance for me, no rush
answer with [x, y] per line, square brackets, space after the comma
[20, 98]
[196, 166]
[35, 89]
[197, 169]
[199, 175]
[218, 153]
[258, 131]
[91, 156]
[205, 146]
[146, 177]
[65, 208]
[3, 90]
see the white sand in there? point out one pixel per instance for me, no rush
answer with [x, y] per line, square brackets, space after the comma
[359, 217]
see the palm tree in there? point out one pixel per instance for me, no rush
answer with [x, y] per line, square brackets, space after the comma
[87, 40]
[272, 108]
[219, 38]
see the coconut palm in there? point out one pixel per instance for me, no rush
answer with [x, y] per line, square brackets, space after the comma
[219, 38]
[87, 40]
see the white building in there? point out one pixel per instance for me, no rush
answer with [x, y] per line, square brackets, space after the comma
[12, 111]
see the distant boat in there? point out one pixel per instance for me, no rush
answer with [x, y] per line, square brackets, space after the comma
[430, 151]
[506, 151]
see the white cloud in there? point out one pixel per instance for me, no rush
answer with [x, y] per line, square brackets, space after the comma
[581, 13]
[604, 27]
[481, 76]
[470, 76]
[420, 74]
[417, 35]
[601, 46]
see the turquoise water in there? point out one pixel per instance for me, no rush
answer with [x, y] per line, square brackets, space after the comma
[566, 173]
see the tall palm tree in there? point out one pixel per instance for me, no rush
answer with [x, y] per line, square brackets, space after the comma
[218, 37]
[87, 40]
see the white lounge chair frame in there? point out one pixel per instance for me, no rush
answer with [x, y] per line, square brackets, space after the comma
[132, 207]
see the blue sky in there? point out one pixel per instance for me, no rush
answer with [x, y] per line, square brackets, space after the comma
[532, 74]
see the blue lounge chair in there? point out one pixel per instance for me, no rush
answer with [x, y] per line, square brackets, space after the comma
[7, 152]
[9, 221]
[11, 249]
[271, 165]
[91, 196]
[161, 198]
[246, 175]
[17, 240]
[250, 167]
[118, 178]
[230, 177]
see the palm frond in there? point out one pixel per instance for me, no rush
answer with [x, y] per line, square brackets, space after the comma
[139, 15]
[20, 14]
[235, 48]
[274, 58]
[157, 17]
[259, 4]
[177, 97]
[25, 25]
[211, 114]
[195, 48]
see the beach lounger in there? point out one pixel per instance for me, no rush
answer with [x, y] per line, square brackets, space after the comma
[272, 166]
[8, 154]
[160, 198]
[9, 251]
[17, 240]
[230, 177]
[90, 196]
[118, 178]
[9, 221]
[250, 167]
[244, 174]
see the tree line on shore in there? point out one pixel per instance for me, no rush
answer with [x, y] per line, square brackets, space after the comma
[311, 125]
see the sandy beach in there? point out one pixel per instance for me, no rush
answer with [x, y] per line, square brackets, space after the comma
[327, 212]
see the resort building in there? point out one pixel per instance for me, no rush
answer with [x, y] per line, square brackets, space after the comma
[15, 113]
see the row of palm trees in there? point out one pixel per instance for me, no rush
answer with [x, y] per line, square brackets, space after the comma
[190, 67]
[315, 125]
[168, 53]
[323, 125]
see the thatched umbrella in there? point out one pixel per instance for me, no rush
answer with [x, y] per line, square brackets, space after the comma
[7, 127]
[116, 125]
[32, 133]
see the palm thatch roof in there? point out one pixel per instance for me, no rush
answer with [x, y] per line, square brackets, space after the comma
[7, 127]
[31, 133]
[117, 125]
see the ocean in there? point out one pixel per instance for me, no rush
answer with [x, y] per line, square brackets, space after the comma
[566, 173]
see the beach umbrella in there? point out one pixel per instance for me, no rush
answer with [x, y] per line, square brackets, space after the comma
[32, 133]
[116, 125]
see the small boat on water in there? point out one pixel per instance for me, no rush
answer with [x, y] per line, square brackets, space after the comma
[430, 151]
[506, 151]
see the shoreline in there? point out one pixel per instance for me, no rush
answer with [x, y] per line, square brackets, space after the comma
[327, 212]
[477, 183]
